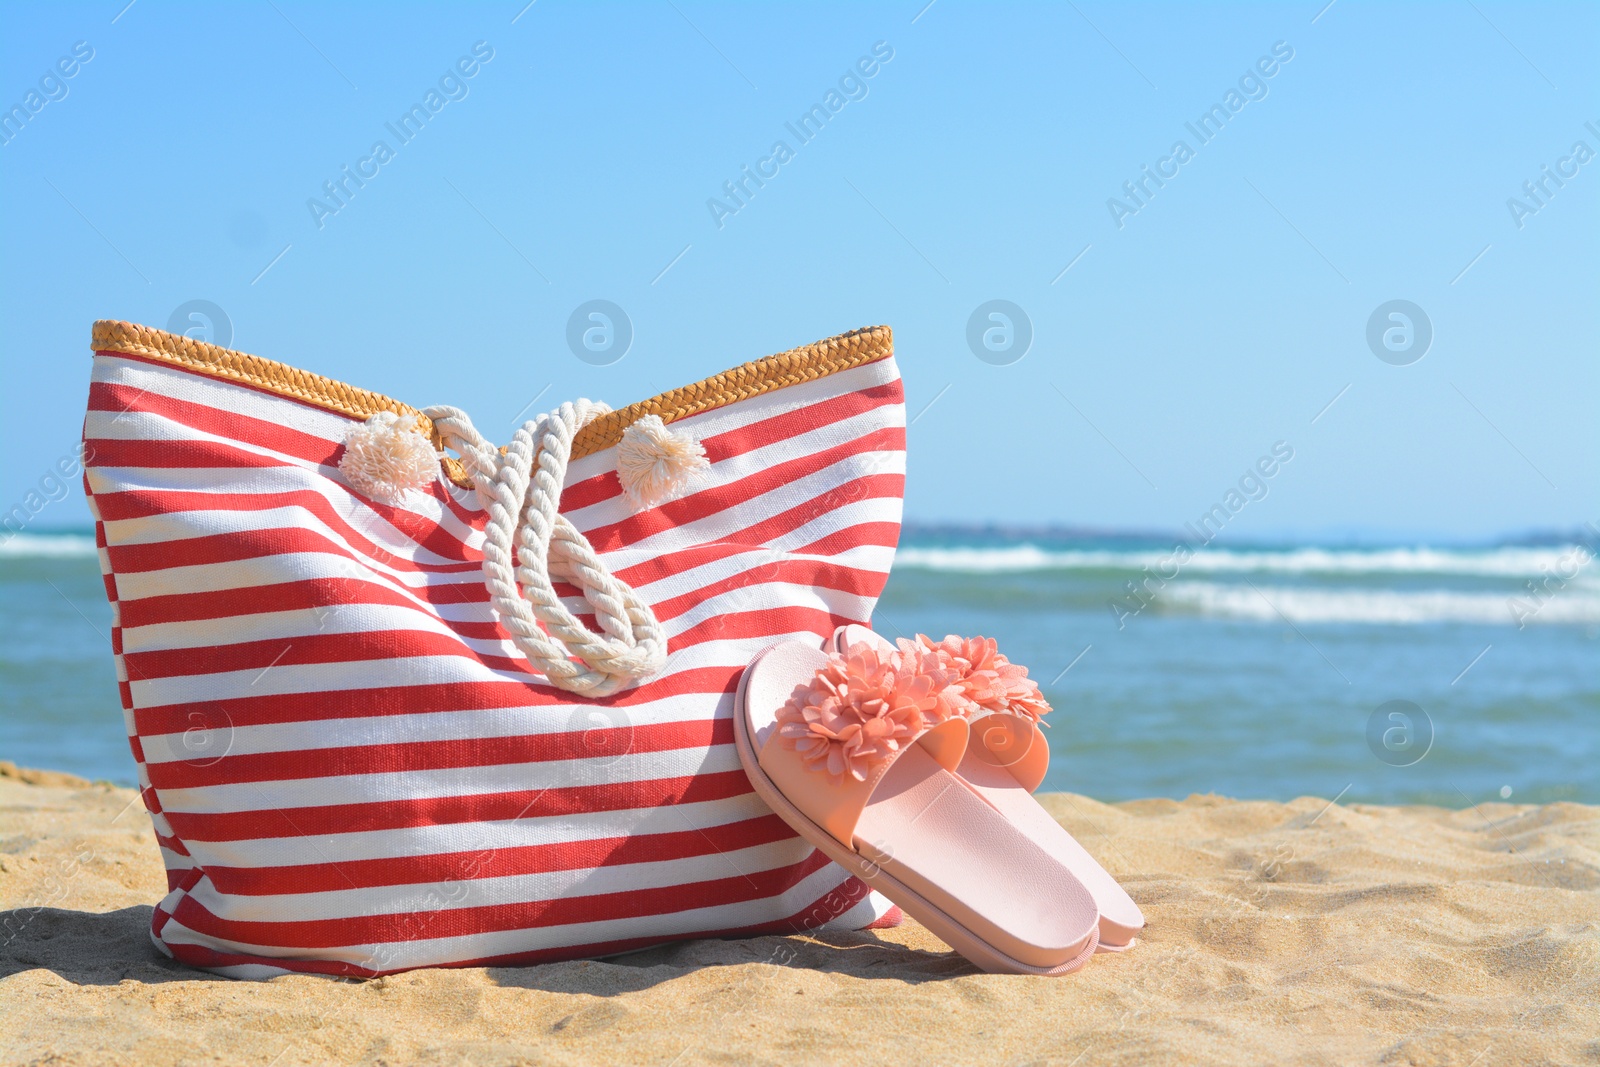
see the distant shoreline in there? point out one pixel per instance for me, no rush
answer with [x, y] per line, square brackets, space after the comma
[1049, 532]
[977, 534]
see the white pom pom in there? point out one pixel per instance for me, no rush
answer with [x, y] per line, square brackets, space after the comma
[386, 457]
[655, 463]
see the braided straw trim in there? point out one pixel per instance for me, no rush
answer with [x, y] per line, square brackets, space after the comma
[797, 365]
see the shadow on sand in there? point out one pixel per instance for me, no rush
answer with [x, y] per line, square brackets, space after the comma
[859, 955]
[87, 947]
[105, 948]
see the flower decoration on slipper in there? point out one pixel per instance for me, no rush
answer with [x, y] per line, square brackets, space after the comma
[861, 709]
[981, 678]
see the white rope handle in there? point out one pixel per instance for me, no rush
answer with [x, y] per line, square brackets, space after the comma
[521, 490]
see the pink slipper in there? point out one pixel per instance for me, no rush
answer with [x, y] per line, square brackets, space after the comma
[1004, 763]
[854, 753]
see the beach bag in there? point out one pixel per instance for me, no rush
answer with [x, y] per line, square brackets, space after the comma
[369, 736]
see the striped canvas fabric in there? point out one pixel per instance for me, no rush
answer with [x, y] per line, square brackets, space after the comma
[352, 770]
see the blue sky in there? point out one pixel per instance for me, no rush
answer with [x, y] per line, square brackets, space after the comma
[1172, 345]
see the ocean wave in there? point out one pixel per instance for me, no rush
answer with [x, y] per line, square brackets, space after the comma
[1490, 562]
[24, 545]
[1571, 606]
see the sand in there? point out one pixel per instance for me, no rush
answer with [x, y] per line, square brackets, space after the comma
[1299, 933]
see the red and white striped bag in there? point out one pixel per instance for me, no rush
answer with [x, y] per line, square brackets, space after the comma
[351, 766]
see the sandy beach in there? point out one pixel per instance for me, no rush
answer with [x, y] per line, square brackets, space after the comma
[1279, 933]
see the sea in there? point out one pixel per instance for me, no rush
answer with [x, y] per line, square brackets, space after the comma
[1446, 674]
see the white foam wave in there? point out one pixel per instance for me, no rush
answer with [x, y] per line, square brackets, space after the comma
[25, 545]
[1492, 562]
[1574, 605]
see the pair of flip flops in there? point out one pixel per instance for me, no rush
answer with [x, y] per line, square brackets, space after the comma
[912, 766]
